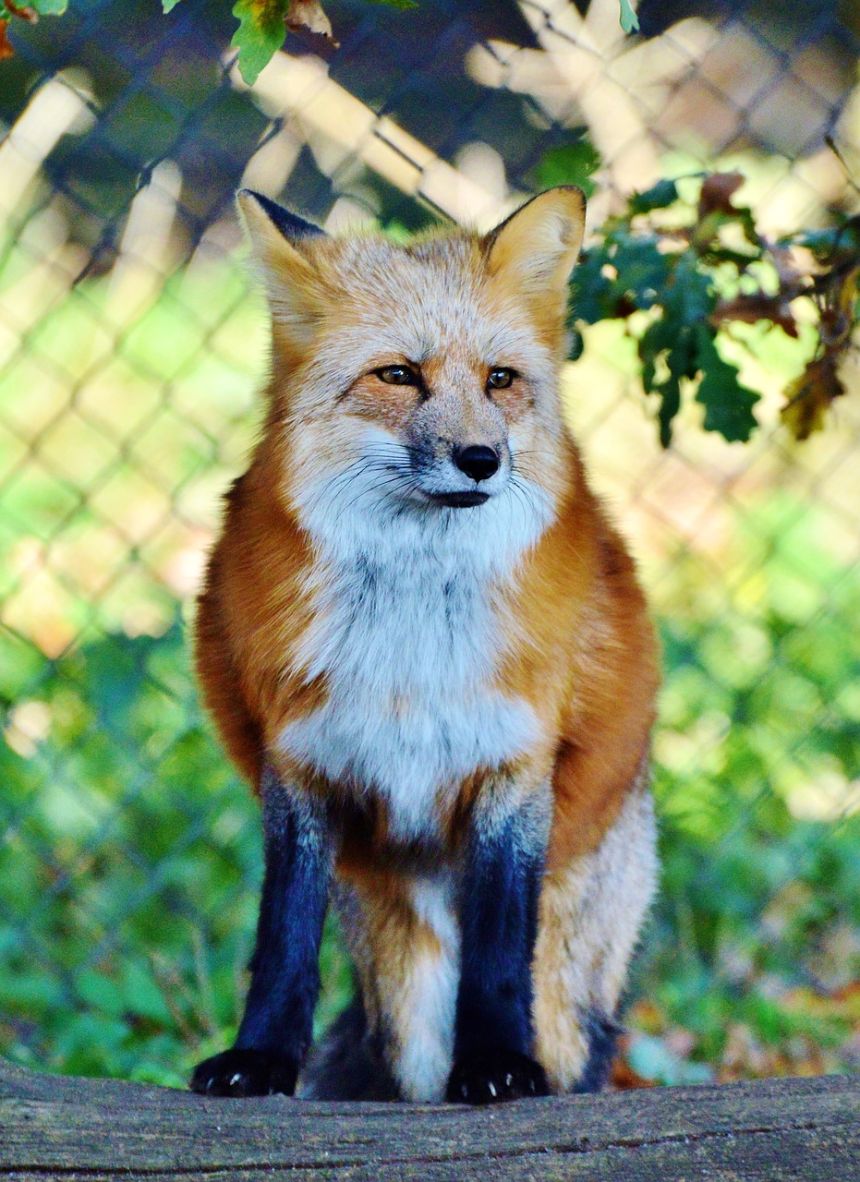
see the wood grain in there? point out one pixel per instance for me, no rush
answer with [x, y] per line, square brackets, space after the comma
[803, 1130]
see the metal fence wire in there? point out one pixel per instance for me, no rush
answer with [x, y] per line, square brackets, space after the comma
[132, 341]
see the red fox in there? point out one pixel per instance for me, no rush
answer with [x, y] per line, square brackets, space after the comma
[425, 646]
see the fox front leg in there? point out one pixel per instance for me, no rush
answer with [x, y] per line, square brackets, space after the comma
[498, 916]
[275, 1032]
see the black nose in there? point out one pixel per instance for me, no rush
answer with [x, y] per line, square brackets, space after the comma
[477, 461]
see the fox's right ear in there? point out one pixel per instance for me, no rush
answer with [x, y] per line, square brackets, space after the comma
[537, 246]
[279, 241]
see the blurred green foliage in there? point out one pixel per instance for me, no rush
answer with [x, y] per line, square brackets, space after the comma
[129, 853]
[757, 764]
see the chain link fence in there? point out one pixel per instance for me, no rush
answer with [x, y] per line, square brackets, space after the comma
[131, 346]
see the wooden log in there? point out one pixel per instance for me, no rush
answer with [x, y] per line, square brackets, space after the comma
[803, 1130]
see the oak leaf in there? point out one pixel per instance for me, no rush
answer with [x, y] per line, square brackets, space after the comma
[809, 397]
[754, 307]
[261, 33]
[717, 191]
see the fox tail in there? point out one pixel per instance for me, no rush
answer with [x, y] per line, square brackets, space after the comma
[347, 1062]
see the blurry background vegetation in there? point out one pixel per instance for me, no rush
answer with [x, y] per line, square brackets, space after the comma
[131, 345]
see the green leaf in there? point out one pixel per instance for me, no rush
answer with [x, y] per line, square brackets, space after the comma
[627, 273]
[833, 245]
[670, 394]
[168, 5]
[670, 341]
[628, 17]
[728, 404]
[681, 362]
[690, 298]
[589, 289]
[401, 4]
[657, 197]
[569, 164]
[260, 35]
[49, 7]
[666, 342]
[642, 273]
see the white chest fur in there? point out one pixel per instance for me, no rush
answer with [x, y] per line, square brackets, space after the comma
[408, 639]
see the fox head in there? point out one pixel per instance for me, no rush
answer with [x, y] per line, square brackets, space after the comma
[421, 379]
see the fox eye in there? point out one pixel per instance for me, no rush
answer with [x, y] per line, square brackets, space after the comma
[500, 378]
[397, 375]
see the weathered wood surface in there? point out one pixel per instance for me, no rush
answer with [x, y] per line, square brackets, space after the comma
[806, 1130]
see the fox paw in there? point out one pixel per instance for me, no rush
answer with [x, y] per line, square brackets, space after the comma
[492, 1077]
[244, 1073]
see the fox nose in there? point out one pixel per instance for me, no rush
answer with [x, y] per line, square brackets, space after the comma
[477, 461]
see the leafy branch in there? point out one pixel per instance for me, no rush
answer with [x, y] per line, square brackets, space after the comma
[680, 277]
[262, 28]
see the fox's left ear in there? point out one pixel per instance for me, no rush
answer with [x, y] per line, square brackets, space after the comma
[537, 246]
[280, 242]
[264, 217]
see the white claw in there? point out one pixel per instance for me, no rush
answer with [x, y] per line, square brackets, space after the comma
[509, 1079]
[209, 1083]
[492, 1088]
[234, 1079]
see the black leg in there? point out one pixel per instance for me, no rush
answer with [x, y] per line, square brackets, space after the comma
[498, 915]
[275, 1032]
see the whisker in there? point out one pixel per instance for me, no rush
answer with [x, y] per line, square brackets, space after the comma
[526, 497]
[365, 463]
[331, 487]
[377, 486]
[520, 498]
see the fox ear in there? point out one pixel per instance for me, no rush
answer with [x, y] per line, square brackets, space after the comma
[261, 214]
[537, 246]
[279, 242]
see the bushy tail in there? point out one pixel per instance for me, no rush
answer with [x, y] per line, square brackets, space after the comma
[347, 1063]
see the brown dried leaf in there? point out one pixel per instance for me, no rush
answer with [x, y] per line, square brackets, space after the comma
[308, 15]
[838, 315]
[623, 1077]
[809, 397]
[755, 307]
[6, 50]
[716, 193]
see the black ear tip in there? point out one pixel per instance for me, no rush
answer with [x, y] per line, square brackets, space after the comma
[290, 224]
